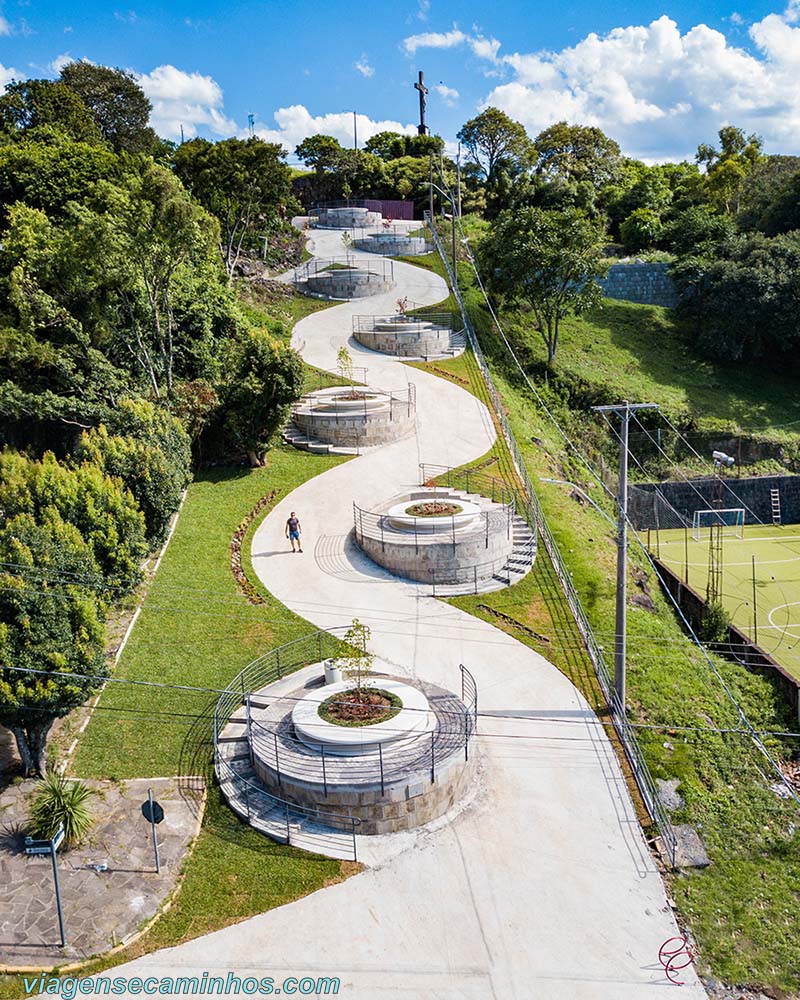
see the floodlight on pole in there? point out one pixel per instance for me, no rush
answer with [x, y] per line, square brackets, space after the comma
[721, 459]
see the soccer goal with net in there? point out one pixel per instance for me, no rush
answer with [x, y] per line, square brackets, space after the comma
[730, 519]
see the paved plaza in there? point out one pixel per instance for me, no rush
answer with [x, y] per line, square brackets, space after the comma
[103, 906]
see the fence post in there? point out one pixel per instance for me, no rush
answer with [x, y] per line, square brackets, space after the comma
[286, 815]
[278, 661]
[353, 827]
[380, 761]
[324, 775]
[486, 516]
[380, 522]
[466, 733]
[453, 529]
[249, 730]
[433, 759]
[277, 762]
[467, 480]
[319, 644]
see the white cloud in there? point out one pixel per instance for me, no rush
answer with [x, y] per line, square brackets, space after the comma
[297, 123]
[7, 74]
[56, 65]
[423, 7]
[185, 99]
[484, 48]
[660, 92]
[448, 94]
[433, 40]
[363, 67]
[5, 27]
[736, 18]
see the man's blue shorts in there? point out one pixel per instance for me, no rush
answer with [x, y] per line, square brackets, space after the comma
[295, 535]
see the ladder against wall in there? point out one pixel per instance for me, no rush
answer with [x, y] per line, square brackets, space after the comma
[775, 498]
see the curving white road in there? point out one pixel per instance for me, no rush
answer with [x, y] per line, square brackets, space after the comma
[543, 886]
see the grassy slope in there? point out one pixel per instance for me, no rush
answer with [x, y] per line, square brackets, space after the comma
[742, 909]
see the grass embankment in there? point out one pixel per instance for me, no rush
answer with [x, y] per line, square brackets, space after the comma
[197, 629]
[742, 910]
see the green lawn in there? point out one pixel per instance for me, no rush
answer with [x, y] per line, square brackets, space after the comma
[196, 629]
[776, 549]
[743, 908]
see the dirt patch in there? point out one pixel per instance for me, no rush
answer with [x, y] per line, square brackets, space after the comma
[364, 708]
[434, 508]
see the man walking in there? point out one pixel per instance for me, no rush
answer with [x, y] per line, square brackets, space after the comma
[293, 530]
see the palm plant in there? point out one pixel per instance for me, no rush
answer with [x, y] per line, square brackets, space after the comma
[58, 800]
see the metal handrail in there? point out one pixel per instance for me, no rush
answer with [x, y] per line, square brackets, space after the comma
[425, 751]
[374, 264]
[627, 736]
[272, 666]
[401, 403]
[411, 323]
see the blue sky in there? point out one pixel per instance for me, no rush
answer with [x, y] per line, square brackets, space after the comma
[657, 76]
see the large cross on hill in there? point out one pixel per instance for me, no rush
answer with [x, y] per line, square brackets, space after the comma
[422, 128]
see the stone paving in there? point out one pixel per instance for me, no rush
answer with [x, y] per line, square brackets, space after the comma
[101, 908]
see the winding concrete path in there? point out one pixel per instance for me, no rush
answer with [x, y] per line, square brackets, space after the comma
[543, 886]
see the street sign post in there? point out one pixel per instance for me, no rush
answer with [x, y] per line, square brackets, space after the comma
[153, 813]
[51, 847]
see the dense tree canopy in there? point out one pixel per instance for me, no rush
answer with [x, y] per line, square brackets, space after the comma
[546, 262]
[118, 105]
[245, 185]
[44, 110]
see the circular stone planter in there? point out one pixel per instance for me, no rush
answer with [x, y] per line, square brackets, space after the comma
[406, 778]
[410, 338]
[451, 550]
[412, 719]
[347, 283]
[348, 217]
[398, 516]
[393, 244]
[327, 415]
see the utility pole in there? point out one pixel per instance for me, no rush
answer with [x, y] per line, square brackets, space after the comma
[623, 411]
[458, 179]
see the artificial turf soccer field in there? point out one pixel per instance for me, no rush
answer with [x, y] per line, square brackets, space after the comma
[777, 552]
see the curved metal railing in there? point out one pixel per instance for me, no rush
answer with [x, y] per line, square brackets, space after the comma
[380, 267]
[277, 746]
[376, 526]
[303, 825]
[400, 403]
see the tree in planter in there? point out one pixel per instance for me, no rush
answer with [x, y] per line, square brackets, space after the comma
[59, 801]
[51, 619]
[545, 262]
[267, 378]
[357, 664]
[344, 362]
[347, 242]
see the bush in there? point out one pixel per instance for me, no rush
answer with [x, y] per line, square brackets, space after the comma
[715, 623]
[60, 800]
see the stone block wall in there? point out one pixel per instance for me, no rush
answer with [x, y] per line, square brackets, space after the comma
[356, 431]
[340, 284]
[419, 343]
[402, 805]
[646, 283]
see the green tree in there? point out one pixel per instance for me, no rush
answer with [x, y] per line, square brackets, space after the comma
[641, 230]
[266, 378]
[51, 619]
[728, 166]
[546, 262]
[696, 231]
[743, 304]
[101, 510]
[118, 105]
[493, 138]
[44, 109]
[356, 665]
[245, 185]
[577, 153]
[149, 451]
[50, 176]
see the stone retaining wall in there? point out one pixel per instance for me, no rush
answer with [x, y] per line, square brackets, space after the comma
[418, 343]
[646, 283]
[402, 805]
[364, 430]
[393, 245]
[347, 285]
